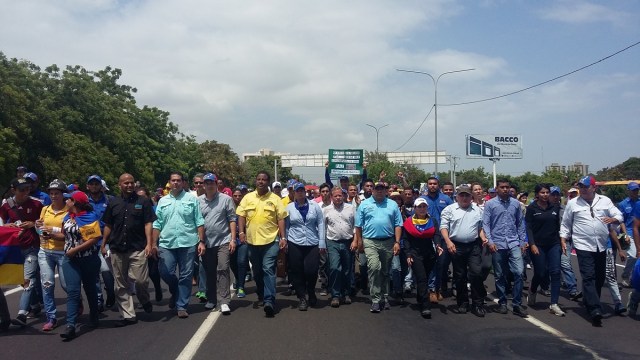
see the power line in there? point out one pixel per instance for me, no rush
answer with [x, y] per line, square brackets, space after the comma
[415, 132]
[544, 82]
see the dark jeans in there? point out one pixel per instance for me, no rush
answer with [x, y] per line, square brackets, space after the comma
[264, 261]
[467, 264]
[154, 274]
[593, 271]
[340, 265]
[81, 272]
[240, 264]
[303, 268]
[547, 265]
[424, 260]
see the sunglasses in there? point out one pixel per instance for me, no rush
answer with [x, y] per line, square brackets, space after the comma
[198, 182]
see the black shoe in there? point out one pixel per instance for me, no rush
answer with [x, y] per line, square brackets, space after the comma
[94, 322]
[313, 300]
[20, 320]
[111, 300]
[517, 310]
[158, 295]
[502, 309]
[302, 304]
[126, 322]
[478, 310]
[269, 310]
[425, 313]
[69, 333]
[4, 326]
[462, 309]
[148, 307]
[596, 318]
[575, 296]
[172, 302]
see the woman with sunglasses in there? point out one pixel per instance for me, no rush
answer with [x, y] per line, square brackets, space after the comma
[51, 254]
[81, 264]
[420, 236]
[543, 231]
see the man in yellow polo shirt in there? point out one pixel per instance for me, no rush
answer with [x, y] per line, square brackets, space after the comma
[260, 220]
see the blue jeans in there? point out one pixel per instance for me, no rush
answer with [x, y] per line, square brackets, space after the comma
[202, 276]
[340, 265]
[183, 258]
[81, 272]
[48, 260]
[30, 273]
[547, 265]
[568, 276]
[264, 259]
[511, 259]
[240, 264]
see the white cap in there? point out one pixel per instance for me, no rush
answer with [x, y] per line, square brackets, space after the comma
[276, 183]
[104, 185]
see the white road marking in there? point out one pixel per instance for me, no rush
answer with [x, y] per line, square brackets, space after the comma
[196, 340]
[557, 333]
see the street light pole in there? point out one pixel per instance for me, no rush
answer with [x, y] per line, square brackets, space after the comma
[435, 104]
[377, 129]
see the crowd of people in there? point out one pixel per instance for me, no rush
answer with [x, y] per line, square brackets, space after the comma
[383, 239]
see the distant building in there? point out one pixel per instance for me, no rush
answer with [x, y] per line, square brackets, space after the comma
[579, 167]
[582, 169]
[261, 152]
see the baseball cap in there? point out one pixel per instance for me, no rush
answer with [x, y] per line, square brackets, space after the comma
[343, 177]
[104, 185]
[298, 186]
[633, 186]
[80, 197]
[210, 177]
[464, 189]
[276, 183]
[94, 177]
[31, 176]
[574, 190]
[290, 183]
[420, 201]
[395, 194]
[242, 187]
[492, 190]
[587, 181]
[57, 184]
[19, 183]
[21, 168]
[379, 184]
[555, 189]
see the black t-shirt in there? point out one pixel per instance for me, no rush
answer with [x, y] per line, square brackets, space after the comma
[126, 217]
[543, 224]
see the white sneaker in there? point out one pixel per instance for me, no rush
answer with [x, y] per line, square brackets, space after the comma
[555, 309]
[224, 308]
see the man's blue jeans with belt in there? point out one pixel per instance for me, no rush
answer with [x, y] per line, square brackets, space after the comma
[263, 261]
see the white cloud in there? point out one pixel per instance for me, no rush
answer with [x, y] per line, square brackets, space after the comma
[580, 12]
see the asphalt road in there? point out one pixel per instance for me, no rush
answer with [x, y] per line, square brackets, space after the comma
[348, 332]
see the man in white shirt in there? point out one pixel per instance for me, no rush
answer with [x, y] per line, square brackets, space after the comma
[586, 220]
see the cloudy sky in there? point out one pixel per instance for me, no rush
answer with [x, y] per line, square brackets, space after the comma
[305, 76]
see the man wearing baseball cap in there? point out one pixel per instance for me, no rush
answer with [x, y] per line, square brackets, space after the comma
[461, 229]
[586, 220]
[378, 225]
[36, 193]
[627, 206]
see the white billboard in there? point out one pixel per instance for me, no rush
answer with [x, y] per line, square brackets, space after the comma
[494, 146]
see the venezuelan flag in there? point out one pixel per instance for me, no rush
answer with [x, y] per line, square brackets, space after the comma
[11, 260]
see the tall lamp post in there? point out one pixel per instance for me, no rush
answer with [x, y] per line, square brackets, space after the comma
[377, 129]
[435, 104]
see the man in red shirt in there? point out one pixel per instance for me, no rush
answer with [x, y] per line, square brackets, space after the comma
[21, 211]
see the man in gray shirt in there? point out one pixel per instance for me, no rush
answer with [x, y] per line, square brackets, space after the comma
[461, 229]
[219, 215]
[339, 220]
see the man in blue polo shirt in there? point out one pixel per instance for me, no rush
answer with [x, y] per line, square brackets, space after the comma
[627, 207]
[378, 226]
[436, 202]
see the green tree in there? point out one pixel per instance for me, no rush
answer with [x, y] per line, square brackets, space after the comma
[265, 163]
[221, 160]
